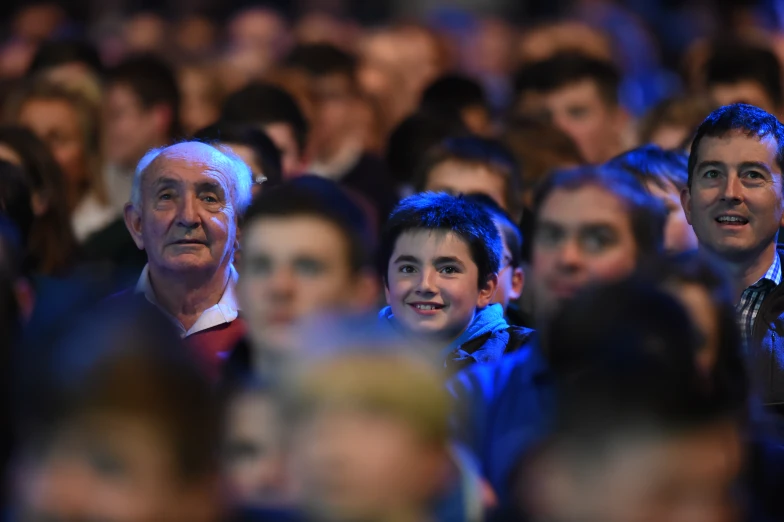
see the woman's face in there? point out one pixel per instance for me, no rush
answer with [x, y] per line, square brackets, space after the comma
[56, 123]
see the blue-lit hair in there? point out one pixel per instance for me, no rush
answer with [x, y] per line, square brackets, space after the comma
[652, 163]
[446, 213]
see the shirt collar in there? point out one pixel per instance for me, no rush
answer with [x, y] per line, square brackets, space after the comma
[225, 311]
[773, 274]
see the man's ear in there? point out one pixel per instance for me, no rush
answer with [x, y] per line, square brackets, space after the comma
[686, 204]
[133, 222]
[518, 283]
[487, 292]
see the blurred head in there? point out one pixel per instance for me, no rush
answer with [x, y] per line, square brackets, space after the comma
[202, 97]
[591, 225]
[69, 125]
[75, 56]
[334, 91]
[277, 113]
[545, 41]
[579, 95]
[743, 73]
[142, 109]
[673, 122]
[186, 201]
[664, 174]
[638, 435]
[734, 196]
[457, 96]
[510, 274]
[369, 436]
[51, 245]
[307, 248]
[261, 30]
[132, 434]
[440, 256]
[252, 145]
[466, 165]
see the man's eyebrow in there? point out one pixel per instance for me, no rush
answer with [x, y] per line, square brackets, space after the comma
[447, 259]
[210, 185]
[754, 165]
[165, 181]
[711, 163]
[406, 259]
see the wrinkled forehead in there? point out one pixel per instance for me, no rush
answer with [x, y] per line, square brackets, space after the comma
[203, 162]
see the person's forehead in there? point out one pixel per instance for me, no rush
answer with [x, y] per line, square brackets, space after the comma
[189, 164]
[584, 206]
[294, 235]
[585, 90]
[431, 242]
[737, 147]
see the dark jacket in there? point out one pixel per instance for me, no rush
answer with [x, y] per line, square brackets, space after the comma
[765, 357]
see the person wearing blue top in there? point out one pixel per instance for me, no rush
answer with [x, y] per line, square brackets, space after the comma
[441, 258]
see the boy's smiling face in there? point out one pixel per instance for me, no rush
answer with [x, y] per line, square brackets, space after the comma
[432, 284]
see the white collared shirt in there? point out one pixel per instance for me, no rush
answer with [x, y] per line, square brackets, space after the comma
[225, 311]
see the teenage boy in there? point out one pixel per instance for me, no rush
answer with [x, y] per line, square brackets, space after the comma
[441, 255]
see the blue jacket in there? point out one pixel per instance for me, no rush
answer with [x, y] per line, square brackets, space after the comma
[503, 409]
[766, 357]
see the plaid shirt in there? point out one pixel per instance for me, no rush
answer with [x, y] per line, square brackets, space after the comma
[752, 297]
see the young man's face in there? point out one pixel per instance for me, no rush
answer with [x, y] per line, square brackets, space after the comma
[653, 478]
[582, 236]
[356, 465]
[735, 202]
[678, 234]
[295, 266]
[456, 177]
[432, 284]
[510, 278]
[130, 129]
[579, 110]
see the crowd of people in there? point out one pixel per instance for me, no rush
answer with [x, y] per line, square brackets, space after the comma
[320, 274]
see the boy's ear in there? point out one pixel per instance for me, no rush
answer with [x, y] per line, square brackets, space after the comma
[518, 283]
[487, 292]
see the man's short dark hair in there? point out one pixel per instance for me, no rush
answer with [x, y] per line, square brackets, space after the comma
[324, 199]
[652, 163]
[263, 104]
[53, 53]
[453, 93]
[647, 214]
[509, 230]
[267, 154]
[742, 118]
[445, 213]
[737, 62]
[154, 83]
[473, 150]
[321, 59]
[565, 69]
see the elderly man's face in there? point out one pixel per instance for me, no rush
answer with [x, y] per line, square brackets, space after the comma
[187, 221]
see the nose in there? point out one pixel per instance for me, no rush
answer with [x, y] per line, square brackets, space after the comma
[281, 283]
[569, 255]
[733, 190]
[426, 283]
[188, 215]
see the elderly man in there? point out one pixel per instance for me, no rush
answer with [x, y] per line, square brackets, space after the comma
[185, 204]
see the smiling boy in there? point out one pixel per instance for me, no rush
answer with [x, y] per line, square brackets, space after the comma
[442, 255]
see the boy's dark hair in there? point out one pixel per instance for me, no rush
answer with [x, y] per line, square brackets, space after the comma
[509, 230]
[322, 198]
[646, 213]
[154, 83]
[262, 104]
[652, 163]
[453, 93]
[445, 213]
[53, 53]
[267, 154]
[736, 62]
[738, 117]
[473, 150]
[565, 69]
[414, 136]
[321, 59]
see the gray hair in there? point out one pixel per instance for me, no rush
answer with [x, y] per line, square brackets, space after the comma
[224, 160]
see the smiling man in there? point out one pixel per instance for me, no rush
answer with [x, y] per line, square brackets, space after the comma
[734, 202]
[185, 204]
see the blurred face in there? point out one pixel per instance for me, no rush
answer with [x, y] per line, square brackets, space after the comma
[187, 222]
[361, 465]
[746, 91]
[197, 108]
[580, 112]
[334, 120]
[510, 279]
[253, 457]
[678, 234]
[735, 202]
[293, 267]
[130, 129]
[56, 123]
[456, 177]
[682, 478]
[110, 468]
[670, 137]
[432, 284]
[583, 236]
[282, 135]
